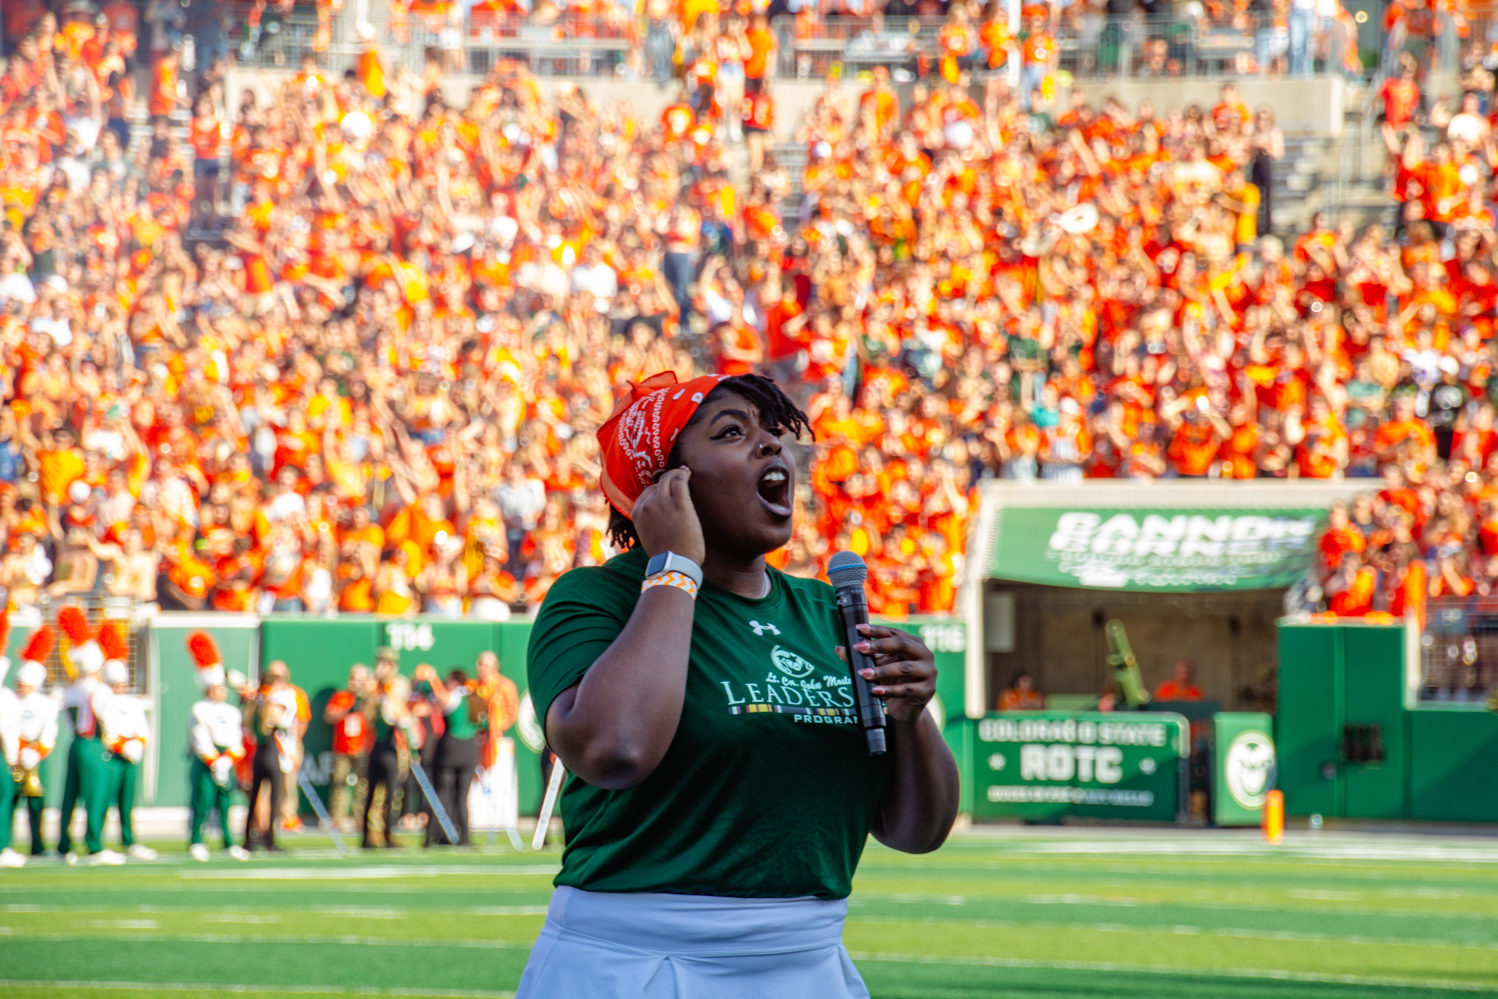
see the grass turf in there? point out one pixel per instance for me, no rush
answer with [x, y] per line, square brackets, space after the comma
[1007, 914]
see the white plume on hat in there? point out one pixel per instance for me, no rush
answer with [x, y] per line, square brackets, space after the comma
[115, 672]
[87, 658]
[212, 676]
[32, 674]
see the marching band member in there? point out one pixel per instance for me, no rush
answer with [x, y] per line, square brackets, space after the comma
[216, 737]
[125, 732]
[38, 728]
[10, 749]
[88, 773]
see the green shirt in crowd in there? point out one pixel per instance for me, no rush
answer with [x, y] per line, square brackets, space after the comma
[459, 724]
[767, 790]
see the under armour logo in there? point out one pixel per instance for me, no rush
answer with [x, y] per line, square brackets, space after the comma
[760, 629]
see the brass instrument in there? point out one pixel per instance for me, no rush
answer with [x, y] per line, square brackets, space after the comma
[30, 780]
[1125, 667]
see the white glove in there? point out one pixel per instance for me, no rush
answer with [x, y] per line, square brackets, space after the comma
[223, 771]
[134, 750]
[30, 758]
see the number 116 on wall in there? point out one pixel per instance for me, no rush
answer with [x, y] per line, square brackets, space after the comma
[404, 635]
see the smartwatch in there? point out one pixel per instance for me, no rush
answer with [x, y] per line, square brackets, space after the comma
[672, 562]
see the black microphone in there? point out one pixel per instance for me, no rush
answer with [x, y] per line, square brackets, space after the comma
[847, 573]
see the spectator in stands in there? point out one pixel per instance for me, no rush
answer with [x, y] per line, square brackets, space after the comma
[1022, 695]
[1038, 52]
[1401, 96]
[1268, 149]
[1181, 686]
[164, 85]
[1302, 37]
[422, 306]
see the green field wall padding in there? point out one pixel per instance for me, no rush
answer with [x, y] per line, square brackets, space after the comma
[320, 651]
[1436, 760]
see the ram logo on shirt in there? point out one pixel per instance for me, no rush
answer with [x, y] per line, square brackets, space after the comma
[790, 664]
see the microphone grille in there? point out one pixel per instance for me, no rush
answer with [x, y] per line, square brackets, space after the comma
[846, 569]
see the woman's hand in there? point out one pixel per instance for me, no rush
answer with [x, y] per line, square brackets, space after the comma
[904, 675]
[921, 803]
[665, 519]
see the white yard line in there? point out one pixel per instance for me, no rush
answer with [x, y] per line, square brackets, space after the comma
[235, 938]
[1179, 930]
[1287, 976]
[336, 990]
[240, 917]
[247, 914]
[1212, 847]
[865, 898]
[363, 873]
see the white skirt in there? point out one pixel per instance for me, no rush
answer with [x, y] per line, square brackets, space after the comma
[604, 945]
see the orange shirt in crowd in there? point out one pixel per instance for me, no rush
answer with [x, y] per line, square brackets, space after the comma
[1401, 100]
[1412, 432]
[1357, 599]
[1172, 691]
[761, 48]
[1193, 448]
[1015, 699]
[163, 97]
[1039, 48]
[997, 37]
[371, 71]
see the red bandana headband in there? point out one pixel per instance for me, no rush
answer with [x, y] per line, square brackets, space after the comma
[637, 439]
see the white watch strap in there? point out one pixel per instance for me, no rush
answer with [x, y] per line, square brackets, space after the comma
[672, 562]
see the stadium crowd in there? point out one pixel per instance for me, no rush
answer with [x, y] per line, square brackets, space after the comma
[377, 391]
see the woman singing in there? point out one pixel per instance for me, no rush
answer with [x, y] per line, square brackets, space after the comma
[722, 789]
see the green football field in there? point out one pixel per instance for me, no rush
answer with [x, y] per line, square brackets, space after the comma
[1013, 912]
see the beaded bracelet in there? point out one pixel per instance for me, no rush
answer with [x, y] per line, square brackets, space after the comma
[680, 580]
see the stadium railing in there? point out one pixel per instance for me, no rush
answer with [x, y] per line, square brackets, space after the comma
[617, 44]
[1089, 47]
[1160, 46]
[810, 49]
[1459, 651]
[569, 44]
[98, 608]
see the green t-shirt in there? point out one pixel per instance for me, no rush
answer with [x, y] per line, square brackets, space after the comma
[767, 790]
[459, 725]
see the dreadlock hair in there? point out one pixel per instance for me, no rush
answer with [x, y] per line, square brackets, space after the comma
[775, 409]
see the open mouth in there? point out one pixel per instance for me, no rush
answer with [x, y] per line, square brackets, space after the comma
[775, 489]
